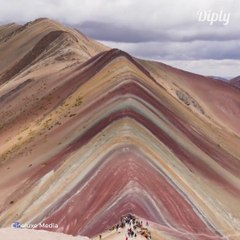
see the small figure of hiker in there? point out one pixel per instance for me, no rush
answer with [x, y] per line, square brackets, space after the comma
[100, 237]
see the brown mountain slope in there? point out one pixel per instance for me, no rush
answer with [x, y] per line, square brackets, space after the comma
[209, 98]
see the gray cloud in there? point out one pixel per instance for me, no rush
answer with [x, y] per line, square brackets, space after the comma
[117, 33]
[133, 34]
[224, 68]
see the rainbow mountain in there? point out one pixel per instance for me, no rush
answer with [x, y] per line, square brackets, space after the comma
[89, 134]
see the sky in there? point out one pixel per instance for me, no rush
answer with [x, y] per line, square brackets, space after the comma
[197, 36]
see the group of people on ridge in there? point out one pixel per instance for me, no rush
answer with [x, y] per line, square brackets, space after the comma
[134, 227]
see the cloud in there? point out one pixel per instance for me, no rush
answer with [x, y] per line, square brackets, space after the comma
[225, 68]
[119, 33]
[152, 15]
[195, 50]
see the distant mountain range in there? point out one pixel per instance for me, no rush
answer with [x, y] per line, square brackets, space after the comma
[235, 81]
[219, 78]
